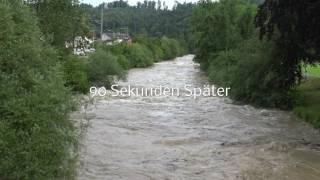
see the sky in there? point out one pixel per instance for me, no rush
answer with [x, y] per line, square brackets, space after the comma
[169, 3]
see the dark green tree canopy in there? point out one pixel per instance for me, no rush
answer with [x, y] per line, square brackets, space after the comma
[295, 25]
[60, 20]
[146, 17]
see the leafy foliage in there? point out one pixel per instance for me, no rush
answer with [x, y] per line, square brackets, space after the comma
[308, 101]
[112, 61]
[294, 26]
[35, 133]
[154, 44]
[220, 26]
[139, 55]
[149, 18]
[102, 68]
[60, 20]
[124, 62]
[37, 139]
[230, 52]
[247, 70]
[75, 73]
[171, 48]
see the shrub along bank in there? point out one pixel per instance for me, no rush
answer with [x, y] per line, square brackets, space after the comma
[110, 62]
[308, 97]
[36, 134]
[232, 54]
[308, 101]
[230, 51]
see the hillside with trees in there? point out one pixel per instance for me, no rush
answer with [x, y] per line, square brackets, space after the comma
[150, 18]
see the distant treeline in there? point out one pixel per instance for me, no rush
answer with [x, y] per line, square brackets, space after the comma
[152, 18]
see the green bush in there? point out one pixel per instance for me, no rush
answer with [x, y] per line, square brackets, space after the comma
[221, 70]
[139, 55]
[123, 61]
[145, 51]
[229, 50]
[220, 26]
[76, 74]
[154, 45]
[308, 101]
[258, 72]
[35, 134]
[175, 46]
[117, 49]
[171, 48]
[103, 67]
[158, 53]
[249, 70]
[112, 61]
[167, 49]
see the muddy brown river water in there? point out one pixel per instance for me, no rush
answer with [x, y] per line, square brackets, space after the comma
[178, 138]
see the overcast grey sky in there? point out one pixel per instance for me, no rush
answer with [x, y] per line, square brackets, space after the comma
[169, 3]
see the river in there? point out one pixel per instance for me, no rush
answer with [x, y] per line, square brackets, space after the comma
[177, 138]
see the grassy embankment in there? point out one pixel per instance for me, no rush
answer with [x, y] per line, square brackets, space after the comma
[308, 107]
[313, 71]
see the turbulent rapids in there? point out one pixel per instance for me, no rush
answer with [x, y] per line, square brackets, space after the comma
[179, 137]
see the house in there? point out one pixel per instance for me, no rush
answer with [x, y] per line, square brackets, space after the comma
[81, 45]
[106, 37]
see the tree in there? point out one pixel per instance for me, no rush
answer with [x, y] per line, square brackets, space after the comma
[294, 26]
[232, 55]
[60, 20]
[220, 26]
[35, 133]
[147, 18]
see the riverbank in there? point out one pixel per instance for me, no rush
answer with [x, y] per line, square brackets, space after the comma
[111, 62]
[85, 113]
[153, 137]
[308, 101]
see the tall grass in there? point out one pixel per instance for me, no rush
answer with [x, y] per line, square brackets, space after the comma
[308, 101]
[313, 70]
